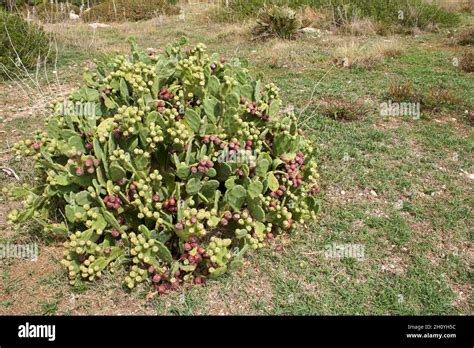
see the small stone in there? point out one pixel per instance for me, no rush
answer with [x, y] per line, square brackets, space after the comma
[309, 30]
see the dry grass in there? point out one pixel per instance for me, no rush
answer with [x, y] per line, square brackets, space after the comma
[433, 99]
[20, 282]
[156, 32]
[38, 287]
[342, 110]
[438, 96]
[357, 54]
[283, 54]
[316, 18]
[124, 10]
[358, 27]
[235, 299]
[454, 5]
[403, 91]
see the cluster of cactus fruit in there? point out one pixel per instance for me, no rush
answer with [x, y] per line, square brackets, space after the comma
[141, 183]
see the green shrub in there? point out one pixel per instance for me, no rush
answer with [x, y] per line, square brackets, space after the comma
[413, 12]
[22, 45]
[276, 21]
[240, 9]
[186, 162]
[12, 6]
[124, 10]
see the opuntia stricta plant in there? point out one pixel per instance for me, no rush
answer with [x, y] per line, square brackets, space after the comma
[141, 182]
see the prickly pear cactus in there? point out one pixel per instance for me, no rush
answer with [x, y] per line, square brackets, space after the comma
[278, 21]
[178, 164]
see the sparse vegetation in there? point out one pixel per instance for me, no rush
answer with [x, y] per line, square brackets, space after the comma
[124, 10]
[55, 12]
[437, 97]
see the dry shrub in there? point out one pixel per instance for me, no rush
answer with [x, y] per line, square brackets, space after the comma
[438, 96]
[403, 92]
[316, 18]
[466, 63]
[467, 7]
[342, 110]
[470, 117]
[466, 37]
[356, 54]
[358, 27]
